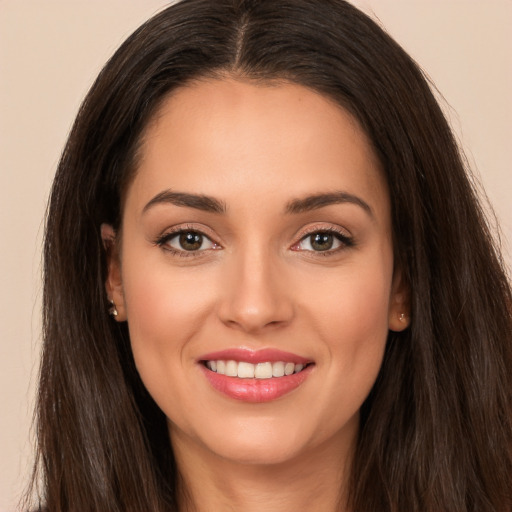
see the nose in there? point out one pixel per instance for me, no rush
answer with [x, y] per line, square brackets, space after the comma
[255, 294]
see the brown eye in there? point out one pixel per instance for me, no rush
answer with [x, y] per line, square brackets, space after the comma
[322, 241]
[190, 241]
[187, 241]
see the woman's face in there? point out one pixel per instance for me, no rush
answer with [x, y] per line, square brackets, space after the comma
[256, 239]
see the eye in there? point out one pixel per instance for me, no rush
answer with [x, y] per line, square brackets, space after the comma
[186, 241]
[323, 241]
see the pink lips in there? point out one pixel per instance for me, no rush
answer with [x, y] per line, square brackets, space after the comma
[255, 390]
[255, 356]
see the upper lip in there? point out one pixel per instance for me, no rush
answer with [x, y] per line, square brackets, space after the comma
[254, 356]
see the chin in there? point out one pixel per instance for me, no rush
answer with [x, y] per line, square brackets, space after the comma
[273, 452]
[263, 441]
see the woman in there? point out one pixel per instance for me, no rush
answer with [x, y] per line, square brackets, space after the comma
[307, 310]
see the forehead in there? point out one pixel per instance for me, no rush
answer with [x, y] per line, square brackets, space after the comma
[227, 137]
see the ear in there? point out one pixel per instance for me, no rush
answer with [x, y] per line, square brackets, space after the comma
[113, 283]
[399, 304]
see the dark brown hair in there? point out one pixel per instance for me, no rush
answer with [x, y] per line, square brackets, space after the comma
[436, 430]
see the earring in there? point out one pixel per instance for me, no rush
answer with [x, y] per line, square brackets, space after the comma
[112, 310]
[402, 317]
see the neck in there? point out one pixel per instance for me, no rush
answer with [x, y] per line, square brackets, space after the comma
[315, 480]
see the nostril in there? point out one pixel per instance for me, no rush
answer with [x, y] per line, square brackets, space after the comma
[254, 293]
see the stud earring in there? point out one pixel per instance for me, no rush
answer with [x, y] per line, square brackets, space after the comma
[402, 317]
[112, 310]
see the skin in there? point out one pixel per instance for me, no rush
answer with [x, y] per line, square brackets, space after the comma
[258, 284]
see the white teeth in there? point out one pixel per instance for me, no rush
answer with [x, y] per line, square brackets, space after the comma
[289, 368]
[232, 369]
[278, 369]
[263, 371]
[244, 370]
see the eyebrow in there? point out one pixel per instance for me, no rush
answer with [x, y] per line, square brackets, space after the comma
[316, 201]
[197, 201]
[295, 206]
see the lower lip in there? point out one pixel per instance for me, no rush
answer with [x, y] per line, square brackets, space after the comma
[256, 390]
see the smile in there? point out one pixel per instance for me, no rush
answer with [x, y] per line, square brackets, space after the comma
[245, 370]
[255, 376]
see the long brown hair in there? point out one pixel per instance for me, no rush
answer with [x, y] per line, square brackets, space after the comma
[436, 430]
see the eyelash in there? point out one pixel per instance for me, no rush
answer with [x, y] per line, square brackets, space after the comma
[345, 240]
[163, 241]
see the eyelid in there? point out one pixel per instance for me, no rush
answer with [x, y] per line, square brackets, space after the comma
[342, 234]
[174, 231]
[323, 227]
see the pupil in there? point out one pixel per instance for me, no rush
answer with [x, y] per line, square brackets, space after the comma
[191, 241]
[322, 241]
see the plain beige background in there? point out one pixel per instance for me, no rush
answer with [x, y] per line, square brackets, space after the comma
[50, 51]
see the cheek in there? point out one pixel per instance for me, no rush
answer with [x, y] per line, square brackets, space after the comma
[355, 303]
[352, 319]
[160, 300]
[165, 310]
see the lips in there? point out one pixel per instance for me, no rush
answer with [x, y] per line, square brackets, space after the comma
[255, 376]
